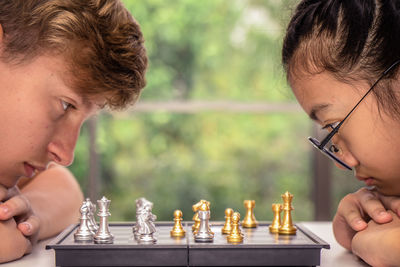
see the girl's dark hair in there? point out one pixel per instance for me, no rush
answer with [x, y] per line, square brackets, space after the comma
[352, 39]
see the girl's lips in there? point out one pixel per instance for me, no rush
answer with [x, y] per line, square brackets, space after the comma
[369, 181]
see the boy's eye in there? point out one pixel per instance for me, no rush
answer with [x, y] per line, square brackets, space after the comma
[66, 105]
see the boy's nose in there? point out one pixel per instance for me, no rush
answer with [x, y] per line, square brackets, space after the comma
[62, 147]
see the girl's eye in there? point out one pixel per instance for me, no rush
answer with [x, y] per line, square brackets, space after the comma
[330, 126]
[66, 105]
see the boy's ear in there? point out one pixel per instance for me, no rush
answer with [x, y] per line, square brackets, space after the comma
[1, 34]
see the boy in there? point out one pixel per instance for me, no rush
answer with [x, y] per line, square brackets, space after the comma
[60, 62]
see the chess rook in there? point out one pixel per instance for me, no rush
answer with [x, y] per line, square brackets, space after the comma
[103, 235]
[287, 227]
[228, 221]
[235, 236]
[177, 230]
[204, 233]
[83, 233]
[276, 222]
[249, 220]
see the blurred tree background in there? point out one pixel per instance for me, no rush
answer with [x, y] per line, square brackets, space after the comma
[209, 50]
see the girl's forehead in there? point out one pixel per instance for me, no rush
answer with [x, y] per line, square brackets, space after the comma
[312, 86]
[322, 91]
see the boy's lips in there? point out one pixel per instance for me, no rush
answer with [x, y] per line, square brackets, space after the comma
[30, 170]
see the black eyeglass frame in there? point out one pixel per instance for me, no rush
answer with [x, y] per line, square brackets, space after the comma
[321, 145]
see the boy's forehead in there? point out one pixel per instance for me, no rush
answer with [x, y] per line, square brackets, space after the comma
[93, 102]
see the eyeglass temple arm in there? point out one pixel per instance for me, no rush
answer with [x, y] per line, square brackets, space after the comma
[336, 129]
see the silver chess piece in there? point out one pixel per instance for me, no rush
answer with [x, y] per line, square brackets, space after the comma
[139, 205]
[92, 224]
[103, 235]
[145, 228]
[83, 233]
[204, 234]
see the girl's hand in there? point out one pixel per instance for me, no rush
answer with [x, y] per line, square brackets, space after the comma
[356, 209]
[378, 244]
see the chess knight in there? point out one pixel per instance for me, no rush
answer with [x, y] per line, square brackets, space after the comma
[145, 220]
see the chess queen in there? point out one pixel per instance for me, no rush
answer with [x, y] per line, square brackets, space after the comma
[342, 60]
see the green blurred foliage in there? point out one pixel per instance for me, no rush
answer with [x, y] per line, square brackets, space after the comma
[206, 50]
[175, 160]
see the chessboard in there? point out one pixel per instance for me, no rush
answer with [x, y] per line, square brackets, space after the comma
[259, 248]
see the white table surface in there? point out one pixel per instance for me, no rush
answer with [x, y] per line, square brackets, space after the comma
[335, 256]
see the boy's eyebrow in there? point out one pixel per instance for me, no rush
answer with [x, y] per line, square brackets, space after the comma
[90, 103]
[315, 109]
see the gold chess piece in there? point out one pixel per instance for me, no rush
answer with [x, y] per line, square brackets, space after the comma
[195, 218]
[235, 236]
[177, 230]
[228, 221]
[196, 207]
[276, 222]
[196, 222]
[287, 227]
[249, 220]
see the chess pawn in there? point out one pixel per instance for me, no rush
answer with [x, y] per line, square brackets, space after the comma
[287, 227]
[235, 236]
[103, 235]
[83, 233]
[228, 221]
[276, 222]
[177, 230]
[204, 233]
[249, 220]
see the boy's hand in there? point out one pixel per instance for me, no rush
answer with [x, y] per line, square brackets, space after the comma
[356, 209]
[378, 244]
[13, 243]
[16, 206]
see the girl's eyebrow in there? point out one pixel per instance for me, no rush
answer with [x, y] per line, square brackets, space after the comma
[316, 109]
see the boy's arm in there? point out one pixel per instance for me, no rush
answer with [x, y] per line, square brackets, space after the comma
[55, 198]
[379, 244]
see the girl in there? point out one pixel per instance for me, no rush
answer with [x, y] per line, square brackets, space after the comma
[342, 63]
[60, 61]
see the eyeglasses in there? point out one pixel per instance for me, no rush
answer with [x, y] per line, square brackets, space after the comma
[321, 145]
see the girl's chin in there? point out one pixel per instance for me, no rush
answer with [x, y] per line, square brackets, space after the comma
[387, 190]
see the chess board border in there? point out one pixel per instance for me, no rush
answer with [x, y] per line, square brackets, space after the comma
[188, 254]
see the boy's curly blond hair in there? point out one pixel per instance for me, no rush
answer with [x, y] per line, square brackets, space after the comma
[100, 41]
